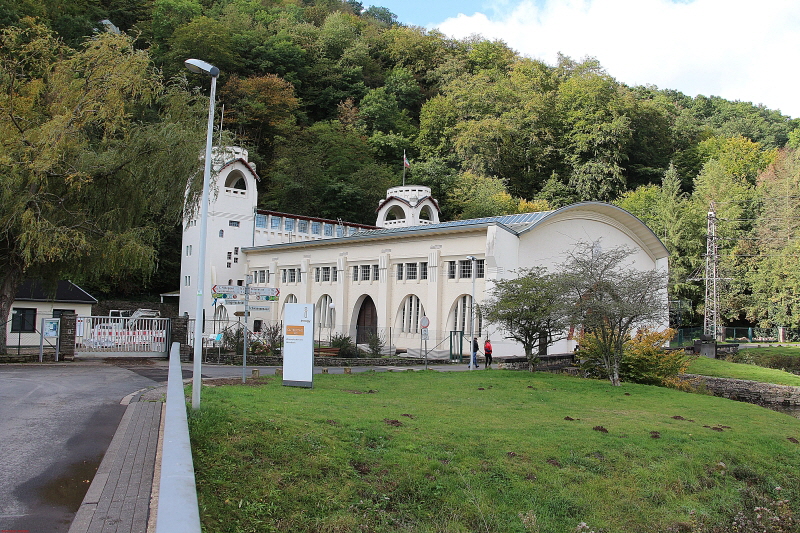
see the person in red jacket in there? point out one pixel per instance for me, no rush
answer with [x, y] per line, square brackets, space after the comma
[487, 352]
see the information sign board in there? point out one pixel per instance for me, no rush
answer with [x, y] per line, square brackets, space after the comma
[298, 345]
[230, 289]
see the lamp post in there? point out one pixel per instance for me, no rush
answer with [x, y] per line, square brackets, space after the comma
[472, 260]
[201, 67]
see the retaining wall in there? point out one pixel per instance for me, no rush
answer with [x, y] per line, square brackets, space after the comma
[747, 391]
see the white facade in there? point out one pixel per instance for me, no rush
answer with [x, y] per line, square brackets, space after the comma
[234, 222]
[383, 280]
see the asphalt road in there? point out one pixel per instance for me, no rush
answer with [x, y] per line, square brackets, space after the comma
[56, 422]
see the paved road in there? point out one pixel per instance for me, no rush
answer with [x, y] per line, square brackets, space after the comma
[56, 422]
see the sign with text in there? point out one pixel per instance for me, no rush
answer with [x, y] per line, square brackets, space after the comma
[230, 289]
[298, 345]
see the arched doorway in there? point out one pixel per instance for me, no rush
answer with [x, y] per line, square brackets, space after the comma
[367, 322]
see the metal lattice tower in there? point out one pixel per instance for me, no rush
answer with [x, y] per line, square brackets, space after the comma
[711, 316]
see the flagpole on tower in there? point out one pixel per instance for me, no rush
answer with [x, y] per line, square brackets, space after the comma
[405, 166]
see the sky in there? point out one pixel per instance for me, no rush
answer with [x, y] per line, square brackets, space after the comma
[737, 49]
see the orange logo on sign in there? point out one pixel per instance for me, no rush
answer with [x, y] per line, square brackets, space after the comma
[295, 330]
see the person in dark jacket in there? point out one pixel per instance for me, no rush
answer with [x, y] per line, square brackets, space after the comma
[474, 360]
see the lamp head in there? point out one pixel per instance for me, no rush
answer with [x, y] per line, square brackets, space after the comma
[471, 258]
[199, 66]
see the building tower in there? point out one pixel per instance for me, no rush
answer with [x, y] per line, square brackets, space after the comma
[408, 205]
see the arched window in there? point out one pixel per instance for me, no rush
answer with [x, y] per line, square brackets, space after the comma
[459, 316]
[411, 311]
[236, 180]
[425, 213]
[326, 315]
[396, 213]
[290, 299]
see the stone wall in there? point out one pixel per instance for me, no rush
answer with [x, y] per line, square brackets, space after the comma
[271, 360]
[747, 391]
[547, 363]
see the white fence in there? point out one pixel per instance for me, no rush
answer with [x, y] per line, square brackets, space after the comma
[104, 334]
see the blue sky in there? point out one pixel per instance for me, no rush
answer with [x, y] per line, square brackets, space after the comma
[737, 49]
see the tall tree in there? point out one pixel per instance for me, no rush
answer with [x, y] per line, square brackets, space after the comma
[94, 152]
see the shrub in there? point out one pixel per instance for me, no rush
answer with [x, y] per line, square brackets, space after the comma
[644, 359]
[345, 344]
[376, 344]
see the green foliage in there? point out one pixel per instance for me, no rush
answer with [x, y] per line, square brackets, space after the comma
[347, 348]
[644, 359]
[528, 309]
[96, 149]
[375, 343]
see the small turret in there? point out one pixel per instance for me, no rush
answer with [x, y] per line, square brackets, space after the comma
[408, 205]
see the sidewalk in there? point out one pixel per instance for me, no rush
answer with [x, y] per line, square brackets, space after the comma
[119, 498]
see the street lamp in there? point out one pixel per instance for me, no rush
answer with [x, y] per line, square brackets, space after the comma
[472, 259]
[201, 67]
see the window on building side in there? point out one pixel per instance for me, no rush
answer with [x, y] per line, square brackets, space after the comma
[233, 223]
[302, 226]
[451, 270]
[228, 264]
[315, 228]
[423, 270]
[230, 255]
[262, 276]
[411, 271]
[339, 231]
[355, 273]
[261, 221]
[376, 274]
[292, 275]
[236, 250]
[275, 222]
[326, 273]
[23, 320]
[235, 259]
[479, 268]
[328, 230]
[364, 272]
[399, 271]
[283, 275]
[187, 281]
[289, 225]
[465, 268]
[221, 233]
[316, 273]
[334, 274]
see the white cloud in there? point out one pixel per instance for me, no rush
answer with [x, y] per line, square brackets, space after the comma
[731, 48]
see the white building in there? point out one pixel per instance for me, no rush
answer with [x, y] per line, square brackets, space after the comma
[382, 280]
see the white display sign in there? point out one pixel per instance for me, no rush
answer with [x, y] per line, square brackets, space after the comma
[298, 345]
[264, 291]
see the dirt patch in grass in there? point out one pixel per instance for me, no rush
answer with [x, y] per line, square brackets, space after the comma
[252, 382]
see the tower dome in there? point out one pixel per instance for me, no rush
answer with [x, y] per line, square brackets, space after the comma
[408, 205]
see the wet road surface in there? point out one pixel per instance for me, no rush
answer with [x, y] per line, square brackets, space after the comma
[56, 422]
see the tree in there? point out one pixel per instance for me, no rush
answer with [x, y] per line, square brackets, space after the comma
[528, 309]
[94, 154]
[611, 299]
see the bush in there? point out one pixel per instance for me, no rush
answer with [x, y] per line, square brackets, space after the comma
[376, 344]
[345, 344]
[644, 358]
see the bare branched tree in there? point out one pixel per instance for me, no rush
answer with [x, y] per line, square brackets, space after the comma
[611, 298]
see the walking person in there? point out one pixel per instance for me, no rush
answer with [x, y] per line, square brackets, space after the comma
[487, 352]
[475, 348]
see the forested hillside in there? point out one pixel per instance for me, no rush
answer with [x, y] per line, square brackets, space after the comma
[327, 94]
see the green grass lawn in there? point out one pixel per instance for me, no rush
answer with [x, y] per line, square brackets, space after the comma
[492, 451]
[723, 369]
[786, 350]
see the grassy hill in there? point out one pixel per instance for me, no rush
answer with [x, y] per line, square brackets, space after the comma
[495, 451]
